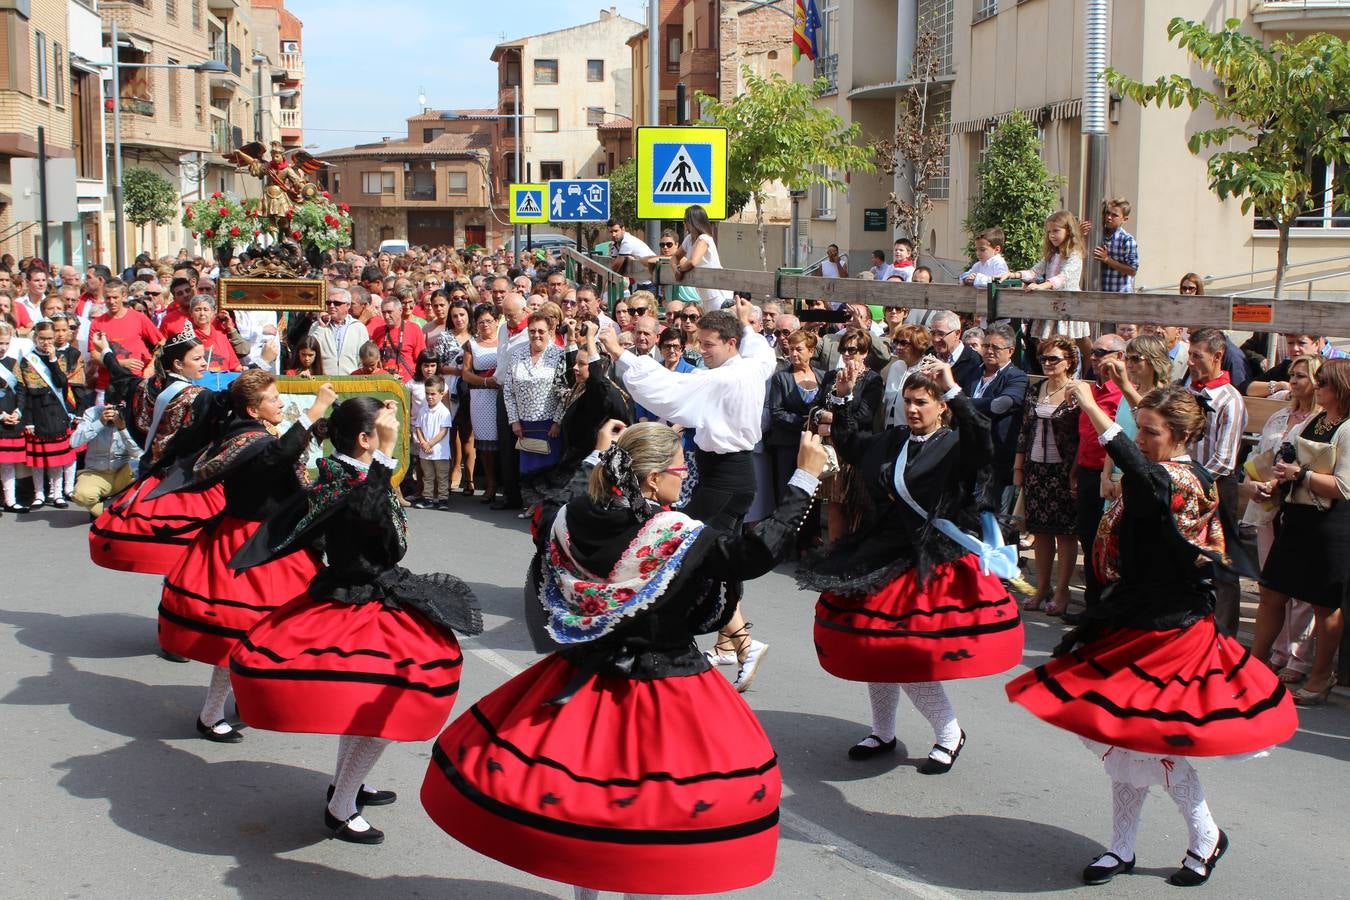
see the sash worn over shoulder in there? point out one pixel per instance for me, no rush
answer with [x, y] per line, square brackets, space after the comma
[582, 606]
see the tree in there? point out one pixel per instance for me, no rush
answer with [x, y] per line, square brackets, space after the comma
[918, 150]
[623, 193]
[1016, 192]
[1281, 109]
[776, 133]
[148, 197]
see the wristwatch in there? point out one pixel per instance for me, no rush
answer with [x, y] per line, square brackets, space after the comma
[1303, 473]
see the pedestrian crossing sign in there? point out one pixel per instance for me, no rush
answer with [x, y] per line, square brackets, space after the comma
[527, 204]
[681, 166]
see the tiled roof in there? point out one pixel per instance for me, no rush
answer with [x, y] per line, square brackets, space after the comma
[445, 145]
[435, 114]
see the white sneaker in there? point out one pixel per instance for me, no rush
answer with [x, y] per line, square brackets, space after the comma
[717, 658]
[753, 657]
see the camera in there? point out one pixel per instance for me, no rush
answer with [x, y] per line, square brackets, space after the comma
[1287, 453]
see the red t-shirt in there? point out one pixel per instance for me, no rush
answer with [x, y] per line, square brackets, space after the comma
[399, 350]
[1091, 453]
[173, 321]
[220, 354]
[131, 337]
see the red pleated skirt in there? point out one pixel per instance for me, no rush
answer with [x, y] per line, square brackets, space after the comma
[666, 786]
[138, 535]
[206, 607]
[961, 624]
[325, 667]
[1184, 691]
[48, 452]
[13, 450]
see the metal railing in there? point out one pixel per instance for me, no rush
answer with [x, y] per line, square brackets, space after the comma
[1291, 269]
[827, 67]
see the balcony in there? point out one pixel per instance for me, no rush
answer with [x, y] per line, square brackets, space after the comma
[290, 118]
[416, 190]
[294, 64]
[698, 61]
[827, 67]
[1301, 15]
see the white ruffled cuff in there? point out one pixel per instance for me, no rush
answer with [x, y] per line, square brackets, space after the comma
[804, 480]
[1105, 437]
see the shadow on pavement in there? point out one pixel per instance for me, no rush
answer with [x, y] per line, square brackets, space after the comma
[93, 636]
[1014, 855]
[117, 705]
[269, 877]
[178, 799]
[1323, 730]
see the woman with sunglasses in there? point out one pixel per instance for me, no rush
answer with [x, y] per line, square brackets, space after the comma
[566, 805]
[1043, 469]
[904, 603]
[1146, 367]
[909, 345]
[843, 504]
[698, 250]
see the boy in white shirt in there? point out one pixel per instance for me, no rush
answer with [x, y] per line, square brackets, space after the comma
[989, 263]
[431, 430]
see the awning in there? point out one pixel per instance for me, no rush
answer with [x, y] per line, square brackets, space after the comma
[1051, 112]
[140, 44]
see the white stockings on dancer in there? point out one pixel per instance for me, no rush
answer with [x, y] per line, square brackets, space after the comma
[68, 479]
[217, 692]
[356, 757]
[581, 893]
[1186, 791]
[1127, 808]
[885, 698]
[930, 699]
[8, 482]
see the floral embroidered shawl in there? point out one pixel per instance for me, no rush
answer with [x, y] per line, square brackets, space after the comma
[1195, 510]
[582, 606]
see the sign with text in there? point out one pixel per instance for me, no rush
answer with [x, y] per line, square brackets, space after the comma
[678, 167]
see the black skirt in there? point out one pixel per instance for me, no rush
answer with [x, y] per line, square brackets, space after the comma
[1309, 561]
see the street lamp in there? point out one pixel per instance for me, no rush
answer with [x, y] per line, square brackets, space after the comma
[515, 117]
[119, 215]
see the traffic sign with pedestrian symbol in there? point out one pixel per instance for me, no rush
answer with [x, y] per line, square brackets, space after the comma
[578, 200]
[680, 166]
[527, 204]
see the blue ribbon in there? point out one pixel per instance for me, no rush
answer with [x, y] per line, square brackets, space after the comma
[995, 557]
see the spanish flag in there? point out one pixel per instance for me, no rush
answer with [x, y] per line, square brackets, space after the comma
[801, 40]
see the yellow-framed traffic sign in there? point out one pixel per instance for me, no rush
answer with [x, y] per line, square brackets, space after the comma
[678, 166]
[528, 204]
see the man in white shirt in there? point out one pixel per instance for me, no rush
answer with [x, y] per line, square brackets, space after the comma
[623, 247]
[724, 402]
[339, 335]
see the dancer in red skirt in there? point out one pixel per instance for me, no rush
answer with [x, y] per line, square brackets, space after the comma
[176, 419]
[1147, 681]
[905, 603]
[52, 384]
[12, 445]
[206, 606]
[369, 652]
[623, 761]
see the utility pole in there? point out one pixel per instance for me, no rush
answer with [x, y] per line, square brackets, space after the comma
[42, 192]
[653, 93]
[119, 220]
[1095, 46]
[520, 137]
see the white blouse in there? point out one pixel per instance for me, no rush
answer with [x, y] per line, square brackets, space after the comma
[529, 388]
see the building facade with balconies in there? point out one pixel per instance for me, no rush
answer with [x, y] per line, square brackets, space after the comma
[996, 59]
[432, 187]
[570, 82]
[278, 34]
[49, 78]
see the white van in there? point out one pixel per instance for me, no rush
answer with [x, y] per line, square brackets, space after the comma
[396, 246]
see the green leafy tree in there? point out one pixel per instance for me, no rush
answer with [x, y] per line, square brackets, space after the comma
[1016, 192]
[148, 197]
[776, 133]
[1281, 110]
[623, 193]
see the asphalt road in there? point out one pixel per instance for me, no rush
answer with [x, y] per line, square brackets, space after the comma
[109, 792]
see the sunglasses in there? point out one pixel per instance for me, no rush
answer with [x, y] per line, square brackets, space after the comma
[1050, 360]
[677, 470]
[1098, 352]
[904, 343]
[996, 348]
[1134, 358]
[638, 310]
[667, 243]
[335, 303]
[430, 283]
[1189, 289]
[782, 332]
[853, 351]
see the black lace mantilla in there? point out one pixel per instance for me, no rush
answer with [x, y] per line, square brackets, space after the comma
[446, 601]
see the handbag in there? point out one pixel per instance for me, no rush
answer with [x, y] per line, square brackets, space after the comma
[533, 445]
[1320, 458]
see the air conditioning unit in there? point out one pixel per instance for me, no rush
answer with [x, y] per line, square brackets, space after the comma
[290, 46]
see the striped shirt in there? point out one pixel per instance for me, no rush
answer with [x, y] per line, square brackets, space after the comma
[1217, 449]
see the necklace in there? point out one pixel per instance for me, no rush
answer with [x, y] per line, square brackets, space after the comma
[1326, 426]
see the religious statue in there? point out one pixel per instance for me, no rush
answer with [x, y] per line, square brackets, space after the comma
[283, 176]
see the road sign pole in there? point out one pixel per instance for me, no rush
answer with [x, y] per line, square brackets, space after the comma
[515, 230]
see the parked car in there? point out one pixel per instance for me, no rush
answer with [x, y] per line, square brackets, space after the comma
[396, 246]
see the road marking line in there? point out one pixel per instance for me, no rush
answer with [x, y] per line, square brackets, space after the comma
[872, 865]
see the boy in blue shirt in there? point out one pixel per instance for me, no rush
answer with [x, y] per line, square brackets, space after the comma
[1119, 251]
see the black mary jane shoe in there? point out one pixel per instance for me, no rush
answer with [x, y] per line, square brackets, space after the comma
[865, 750]
[233, 736]
[15, 508]
[172, 657]
[1188, 877]
[58, 503]
[343, 830]
[368, 798]
[1100, 872]
[932, 766]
